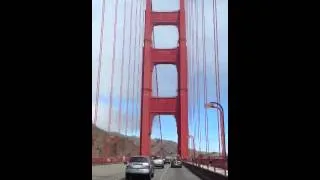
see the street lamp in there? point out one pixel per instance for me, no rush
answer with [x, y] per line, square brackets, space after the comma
[221, 122]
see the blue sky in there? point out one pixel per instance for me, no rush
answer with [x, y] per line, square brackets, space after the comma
[165, 37]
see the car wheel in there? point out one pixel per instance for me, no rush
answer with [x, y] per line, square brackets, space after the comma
[128, 177]
[148, 177]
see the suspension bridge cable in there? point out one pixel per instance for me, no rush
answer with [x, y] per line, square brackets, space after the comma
[216, 65]
[128, 84]
[194, 51]
[122, 66]
[157, 94]
[157, 88]
[187, 7]
[193, 57]
[112, 65]
[139, 59]
[192, 61]
[205, 74]
[198, 91]
[134, 70]
[96, 107]
[217, 49]
[190, 68]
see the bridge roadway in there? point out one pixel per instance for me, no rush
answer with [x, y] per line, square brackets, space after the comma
[117, 172]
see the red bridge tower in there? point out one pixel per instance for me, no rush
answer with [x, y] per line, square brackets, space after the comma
[177, 106]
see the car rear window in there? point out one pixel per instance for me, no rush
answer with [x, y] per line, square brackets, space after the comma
[138, 159]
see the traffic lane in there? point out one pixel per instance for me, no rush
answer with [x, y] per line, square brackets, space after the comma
[167, 173]
[118, 176]
[108, 172]
[117, 172]
[159, 173]
[178, 174]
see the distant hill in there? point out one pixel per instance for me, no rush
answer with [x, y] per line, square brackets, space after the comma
[115, 144]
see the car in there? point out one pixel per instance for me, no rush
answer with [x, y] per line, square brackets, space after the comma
[158, 162]
[176, 163]
[139, 166]
[167, 160]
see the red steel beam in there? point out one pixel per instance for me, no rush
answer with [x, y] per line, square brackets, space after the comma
[163, 105]
[165, 18]
[164, 56]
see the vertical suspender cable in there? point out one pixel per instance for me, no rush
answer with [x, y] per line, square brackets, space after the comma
[112, 64]
[128, 83]
[157, 88]
[134, 71]
[198, 91]
[141, 59]
[205, 74]
[122, 62]
[216, 61]
[96, 107]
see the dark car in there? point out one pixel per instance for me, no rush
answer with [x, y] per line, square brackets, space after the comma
[176, 163]
[167, 160]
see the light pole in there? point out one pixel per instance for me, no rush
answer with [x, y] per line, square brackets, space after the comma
[221, 122]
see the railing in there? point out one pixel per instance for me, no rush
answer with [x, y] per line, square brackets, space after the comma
[213, 164]
[218, 163]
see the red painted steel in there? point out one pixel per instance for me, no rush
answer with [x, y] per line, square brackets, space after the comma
[165, 18]
[151, 106]
[163, 105]
[164, 56]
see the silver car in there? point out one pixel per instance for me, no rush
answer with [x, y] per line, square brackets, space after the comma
[158, 162]
[139, 165]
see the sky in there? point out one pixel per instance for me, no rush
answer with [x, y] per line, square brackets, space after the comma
[131, 53]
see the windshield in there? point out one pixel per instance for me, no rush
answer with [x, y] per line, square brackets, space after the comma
[138, 159]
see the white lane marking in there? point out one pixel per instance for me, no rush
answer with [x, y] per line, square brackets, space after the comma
[164, 172]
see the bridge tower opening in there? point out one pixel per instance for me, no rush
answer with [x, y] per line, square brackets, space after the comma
[154, 105]
[164, 136]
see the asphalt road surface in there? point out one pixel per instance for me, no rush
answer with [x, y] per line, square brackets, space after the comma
[117, 172]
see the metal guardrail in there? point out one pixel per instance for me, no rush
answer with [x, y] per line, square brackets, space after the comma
[210, 162]
[218, 165]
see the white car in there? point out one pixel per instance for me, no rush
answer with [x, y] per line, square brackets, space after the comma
[158, 162]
